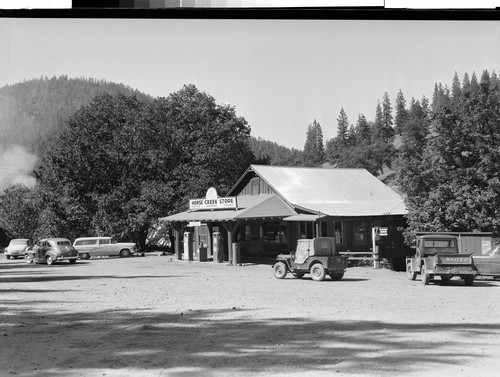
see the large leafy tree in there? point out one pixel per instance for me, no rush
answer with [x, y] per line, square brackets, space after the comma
[20, 207]
[458, 187]
[122, 163]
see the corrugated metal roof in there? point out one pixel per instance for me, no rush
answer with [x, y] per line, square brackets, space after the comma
[256, 206]
[335, 192]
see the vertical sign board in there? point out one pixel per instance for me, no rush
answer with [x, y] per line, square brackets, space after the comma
[377, 232]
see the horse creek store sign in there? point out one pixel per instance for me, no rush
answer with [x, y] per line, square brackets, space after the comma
[213, 203]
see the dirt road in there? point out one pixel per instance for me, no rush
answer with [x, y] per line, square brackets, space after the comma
[155, 316]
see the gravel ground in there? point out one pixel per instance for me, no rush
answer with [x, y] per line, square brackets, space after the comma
[155, 316]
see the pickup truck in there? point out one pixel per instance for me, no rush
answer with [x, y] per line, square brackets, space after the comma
[316, 256]
[438, 255]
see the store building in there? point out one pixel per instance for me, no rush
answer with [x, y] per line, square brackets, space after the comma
[270, 207]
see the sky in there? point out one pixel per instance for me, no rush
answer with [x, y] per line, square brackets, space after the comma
[280, 75]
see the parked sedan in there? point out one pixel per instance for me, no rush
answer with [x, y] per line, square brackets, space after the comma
[488, 264]
[103, 246]
[51, 250]
[17, 248]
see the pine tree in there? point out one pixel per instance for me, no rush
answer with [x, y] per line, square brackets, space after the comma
[314, 150]
[401, 113]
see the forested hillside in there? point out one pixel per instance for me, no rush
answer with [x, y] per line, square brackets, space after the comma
[271, 153]
[33, 111]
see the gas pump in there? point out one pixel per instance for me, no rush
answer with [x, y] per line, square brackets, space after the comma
[188, 246]
[218, 252]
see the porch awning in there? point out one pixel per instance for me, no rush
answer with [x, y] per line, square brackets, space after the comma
[304, 217]
[249, 207]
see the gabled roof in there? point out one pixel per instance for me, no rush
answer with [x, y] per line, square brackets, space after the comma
[333, 192]
[249, 207]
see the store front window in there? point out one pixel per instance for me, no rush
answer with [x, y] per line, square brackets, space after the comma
[306, 229]
[359, 232]
[274, 233]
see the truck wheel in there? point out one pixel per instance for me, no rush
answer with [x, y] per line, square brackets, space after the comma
[337, 275]
[318, 272]
[425, 277]
[280, 270]
[445, 278]
[469, 280]
[409, 272]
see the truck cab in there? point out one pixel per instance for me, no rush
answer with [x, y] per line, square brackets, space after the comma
[316, 256]
[439, 255]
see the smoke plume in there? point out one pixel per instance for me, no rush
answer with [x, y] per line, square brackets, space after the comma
[16, 166]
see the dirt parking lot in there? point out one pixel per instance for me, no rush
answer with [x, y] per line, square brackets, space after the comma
[155, 316]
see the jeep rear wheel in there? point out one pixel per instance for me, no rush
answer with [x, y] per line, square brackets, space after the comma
[337, 275]
[410, 274]
[280, 270]
[318, 272]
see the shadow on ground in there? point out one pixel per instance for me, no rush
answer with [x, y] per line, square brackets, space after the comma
[223, 340]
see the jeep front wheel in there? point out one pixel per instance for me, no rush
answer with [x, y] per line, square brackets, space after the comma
[279, 270]
[318, 272]
[337, 275]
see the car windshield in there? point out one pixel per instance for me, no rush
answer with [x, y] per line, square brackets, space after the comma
[439, 243]
[495, 250]
[63, 243]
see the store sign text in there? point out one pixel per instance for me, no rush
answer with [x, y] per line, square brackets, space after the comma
[214, 203]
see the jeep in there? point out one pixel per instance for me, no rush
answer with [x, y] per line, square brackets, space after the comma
[316, 256]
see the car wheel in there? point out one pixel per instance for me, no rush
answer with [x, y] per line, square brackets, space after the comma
[425, 277]
[469, 280]
[49, 260]
[280, 270]
[85, 256]
[125, 253]
[8, 256]
[72, 261]
[28, 258]
[318, 272]
[299, 274]
[337, 275]
[409, 272]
